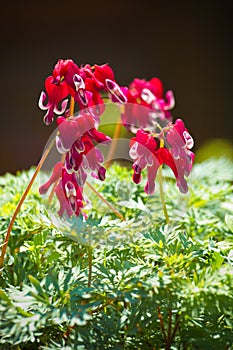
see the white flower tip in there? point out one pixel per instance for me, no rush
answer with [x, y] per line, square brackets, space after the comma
[63, 107]
[61, 149]
[115, 90]
[147, 96]
[170, 100]
[70, 189]
[47, 119]
[42, 100]
[133, 151]
[188, 139]
[78, 82]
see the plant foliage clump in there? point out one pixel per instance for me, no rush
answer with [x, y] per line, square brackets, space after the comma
[148, 285]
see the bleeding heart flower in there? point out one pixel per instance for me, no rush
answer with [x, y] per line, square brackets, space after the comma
[146, 151]
[146, 104]
[55, 94]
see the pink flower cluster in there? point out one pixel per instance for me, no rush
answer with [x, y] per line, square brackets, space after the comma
[158, 141]
[146, 151]
[146, 103]
[77, 135]
[146, 112]
[84, 84]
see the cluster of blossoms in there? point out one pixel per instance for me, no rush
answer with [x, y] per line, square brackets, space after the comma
[171, 147]
[158, 140]
[146, 112]
[84, 84]
[146, 104]
[77, 135]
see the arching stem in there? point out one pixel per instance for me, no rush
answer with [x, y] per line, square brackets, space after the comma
[22, 199]
[105, 201]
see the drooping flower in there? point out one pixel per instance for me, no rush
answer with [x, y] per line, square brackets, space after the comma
[146, 112]
[78, 136]
[56, 94]
[104, 74]
[96, 104]
[68, 192]
[71, 74]
[55, 176]
[84, 84]
[180, 142]
[73, 193]
[77, 139]
[146, 104]
[147, 152]
[65, 80]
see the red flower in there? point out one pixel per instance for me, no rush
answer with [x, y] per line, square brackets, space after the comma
[73, 194]
[84, 84]
[180, 142]
[104, 74]
[95, 101]
[146, 152]
[56, 175]
[56, 93]
[77, 140]
[146, 104]
[68, 192]
[71, 74]
[58, 86]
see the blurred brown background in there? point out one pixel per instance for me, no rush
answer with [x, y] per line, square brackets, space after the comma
[186, 44]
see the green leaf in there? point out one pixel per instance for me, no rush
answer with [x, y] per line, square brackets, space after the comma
[229, 221]
[5, 297]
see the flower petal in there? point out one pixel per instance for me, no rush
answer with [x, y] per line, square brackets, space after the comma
[42, 99]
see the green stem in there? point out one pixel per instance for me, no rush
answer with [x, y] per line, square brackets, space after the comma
[90, 256]
[160, 178]
[175, 327]
[102, 307]
[22, 199]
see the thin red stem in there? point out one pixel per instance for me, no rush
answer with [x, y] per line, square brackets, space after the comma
[22, 199]
[105, 201]
[162, 324]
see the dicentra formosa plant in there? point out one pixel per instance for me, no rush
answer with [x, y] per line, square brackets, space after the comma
[144, 111]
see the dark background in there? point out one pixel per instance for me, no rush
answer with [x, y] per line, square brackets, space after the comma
[188, 45]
